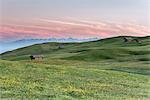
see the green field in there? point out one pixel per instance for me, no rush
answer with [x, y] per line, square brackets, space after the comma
[107, 69]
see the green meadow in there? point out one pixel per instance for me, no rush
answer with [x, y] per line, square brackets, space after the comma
[107, 69]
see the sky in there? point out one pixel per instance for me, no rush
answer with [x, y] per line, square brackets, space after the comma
[20, 19]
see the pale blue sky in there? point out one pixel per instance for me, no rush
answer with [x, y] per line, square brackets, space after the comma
[73, 18]
[111, 10]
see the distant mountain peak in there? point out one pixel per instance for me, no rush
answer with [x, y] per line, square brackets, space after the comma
[69, 39]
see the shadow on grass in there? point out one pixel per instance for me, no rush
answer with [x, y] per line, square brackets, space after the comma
[135, 71]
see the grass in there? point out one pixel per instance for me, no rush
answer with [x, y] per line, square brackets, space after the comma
[101, 70]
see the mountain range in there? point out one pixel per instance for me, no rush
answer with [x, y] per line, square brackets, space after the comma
[27, 42]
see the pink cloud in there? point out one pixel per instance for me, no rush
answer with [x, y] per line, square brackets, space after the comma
[44, 28]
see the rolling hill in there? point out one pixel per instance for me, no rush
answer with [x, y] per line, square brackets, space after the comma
[112, 48]
[103, 69]
[9, 46]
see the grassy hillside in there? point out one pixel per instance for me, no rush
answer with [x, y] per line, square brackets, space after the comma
[101, 70]
[112, 48]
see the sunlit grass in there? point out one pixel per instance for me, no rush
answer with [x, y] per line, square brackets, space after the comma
[101, 70]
